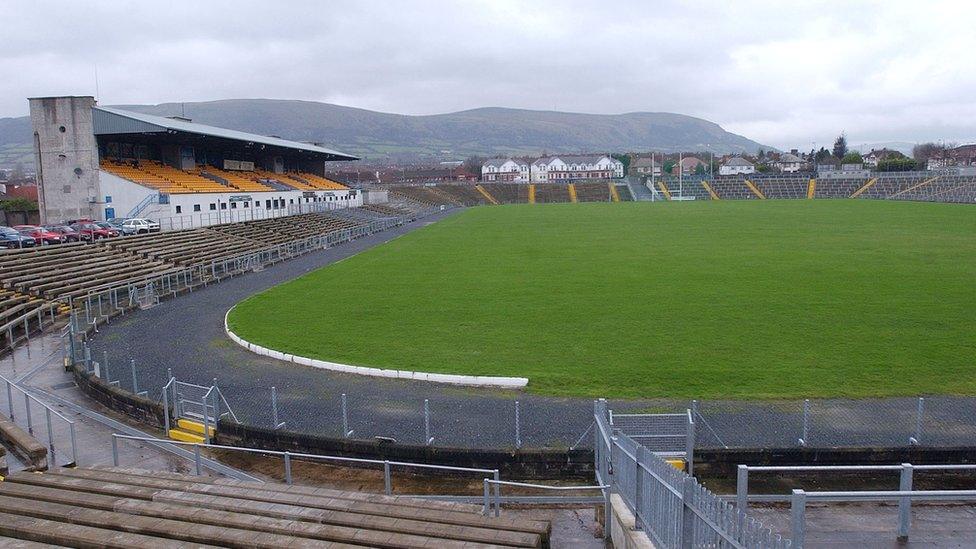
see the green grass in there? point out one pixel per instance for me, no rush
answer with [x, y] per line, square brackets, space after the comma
[739, 299]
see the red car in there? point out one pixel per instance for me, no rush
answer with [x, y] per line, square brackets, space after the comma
[89, 231]
[41, 235]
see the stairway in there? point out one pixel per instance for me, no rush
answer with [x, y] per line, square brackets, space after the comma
[572, 193]
[190, 431]
[638, 190]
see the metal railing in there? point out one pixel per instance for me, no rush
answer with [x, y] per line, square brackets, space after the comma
[286, 457]
[49, 415]
[905, 485]
[496, 500]
[799, 499]
[668, 504]
[22, 326]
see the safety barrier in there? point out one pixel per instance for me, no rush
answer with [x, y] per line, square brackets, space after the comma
[50, 414]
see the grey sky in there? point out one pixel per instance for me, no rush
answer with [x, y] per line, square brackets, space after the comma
[775, 72]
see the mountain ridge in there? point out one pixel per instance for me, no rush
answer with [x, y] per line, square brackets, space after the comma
[484, 131]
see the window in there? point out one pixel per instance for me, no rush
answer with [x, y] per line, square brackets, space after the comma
[213, 206]
[223, 205]
[233, 205]
[196, 207]
[179, 209]
[246, 204]
[267, 204]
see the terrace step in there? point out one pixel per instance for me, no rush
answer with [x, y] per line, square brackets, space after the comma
[185, 436]
[532, 194]
[572, 193]
[194, 426]
[711, 192]
[812, 188]
[664, 189]
[614, 195]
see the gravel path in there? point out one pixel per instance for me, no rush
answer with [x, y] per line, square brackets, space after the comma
[186, 335]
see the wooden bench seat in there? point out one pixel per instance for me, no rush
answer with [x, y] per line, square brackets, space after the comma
[23, 444]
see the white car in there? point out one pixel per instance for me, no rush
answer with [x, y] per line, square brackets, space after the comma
[137, 225]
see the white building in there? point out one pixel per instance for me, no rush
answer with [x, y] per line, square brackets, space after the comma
[736, 166]
[553, 168]
[505, 170]
[789, 163]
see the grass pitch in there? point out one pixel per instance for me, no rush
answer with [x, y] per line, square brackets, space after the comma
[740, 299]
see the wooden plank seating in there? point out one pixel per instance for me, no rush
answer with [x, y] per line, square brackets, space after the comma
[551, 192]
[168, 506]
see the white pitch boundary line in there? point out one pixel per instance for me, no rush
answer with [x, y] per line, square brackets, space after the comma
[450, 379]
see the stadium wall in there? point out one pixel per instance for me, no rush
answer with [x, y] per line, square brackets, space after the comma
[524, 464]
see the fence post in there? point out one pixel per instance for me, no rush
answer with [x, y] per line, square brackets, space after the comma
[105, 360]
[742, 488]
[196, 459]
[427, 438]
[135, 381]
[387, 481]
[166, 408]
[74, 444]
[638, 488]
[345, 418]
[690, 444]
[485, 506]
[798, 510]
[806, 423]
[518, 427]
[287, 468]
[10, 401]
[115, 450]
[274, 408]
[50, 434]
[919, 412]
[905, 503]
[498, 494]
[687, 514]
[30, 424]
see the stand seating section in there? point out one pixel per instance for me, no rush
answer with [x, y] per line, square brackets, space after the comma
[170, 180]
[594, 192]
[135, 508]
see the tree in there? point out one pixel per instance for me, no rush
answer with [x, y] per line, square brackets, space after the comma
[852, 157]
[18, 205]
[823, 155]
[840, 146]
[473, 164]
[761, 154]
[897, 165]
[700, 169]
[668, 166]
[624, 159]
[924, 151]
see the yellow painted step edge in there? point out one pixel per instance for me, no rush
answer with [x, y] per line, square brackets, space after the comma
[183, 436]
[678, 464]
[193, 426]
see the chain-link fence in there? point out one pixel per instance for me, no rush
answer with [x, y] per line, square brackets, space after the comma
[453, 417]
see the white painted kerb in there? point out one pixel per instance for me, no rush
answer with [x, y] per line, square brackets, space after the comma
[475, 381]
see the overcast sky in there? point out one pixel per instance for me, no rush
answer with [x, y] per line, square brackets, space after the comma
[783, 73]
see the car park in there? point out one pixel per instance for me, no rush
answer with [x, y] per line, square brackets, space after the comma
[41, 235]
[70, 234]
[138, 225]
[11, 238]
[90, 232]
[109, 228]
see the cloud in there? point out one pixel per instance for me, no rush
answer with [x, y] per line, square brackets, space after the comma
[786, 75]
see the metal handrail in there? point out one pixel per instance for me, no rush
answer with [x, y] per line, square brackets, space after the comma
[742, 496]
[496, 500]
[798, 502]
[48, 412]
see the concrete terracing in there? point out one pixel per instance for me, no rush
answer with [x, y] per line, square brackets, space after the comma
[148, 509]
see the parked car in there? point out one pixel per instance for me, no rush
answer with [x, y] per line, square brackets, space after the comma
[112, 231]
[69, 233]
[11, 238]
[41, 235]
[137, 225]
[117, 223]
[90, 232]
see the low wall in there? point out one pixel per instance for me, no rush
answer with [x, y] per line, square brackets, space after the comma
[723, 462]
[622, 532]
[450, 379]
[523, 464]
[139, 408]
